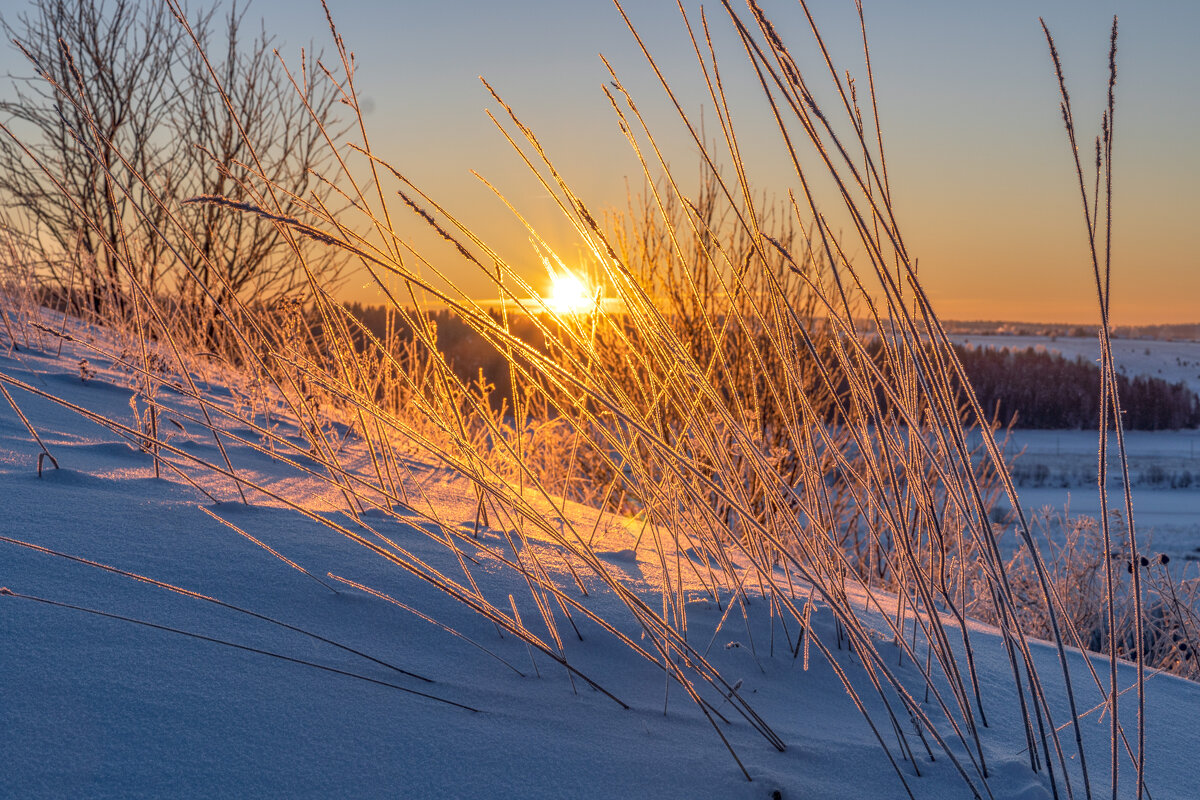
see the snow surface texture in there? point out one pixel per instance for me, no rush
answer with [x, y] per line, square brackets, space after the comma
[95, 706]
[1056, 470]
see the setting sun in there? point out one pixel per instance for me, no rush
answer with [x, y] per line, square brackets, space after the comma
[570, 295]
[740, 363]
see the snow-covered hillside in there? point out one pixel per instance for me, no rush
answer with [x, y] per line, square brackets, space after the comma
[119, 687]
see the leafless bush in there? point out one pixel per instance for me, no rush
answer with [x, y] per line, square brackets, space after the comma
[733, 399]
[127, 113]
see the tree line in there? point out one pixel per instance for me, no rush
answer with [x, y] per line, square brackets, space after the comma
[1046, 390]
[1040, 389]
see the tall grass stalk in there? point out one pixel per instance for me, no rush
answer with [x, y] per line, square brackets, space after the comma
[1102, 272]
[767, 445]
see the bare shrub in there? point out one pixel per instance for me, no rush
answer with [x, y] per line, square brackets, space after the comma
[733, 400]
[128, 113]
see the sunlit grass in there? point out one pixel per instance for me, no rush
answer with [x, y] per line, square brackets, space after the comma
[732, 403]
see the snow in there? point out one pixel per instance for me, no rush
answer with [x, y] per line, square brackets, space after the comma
[1055, 471]
[1164, 465]
[93, 706]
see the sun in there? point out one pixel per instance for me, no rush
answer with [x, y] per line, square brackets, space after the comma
[570, 295]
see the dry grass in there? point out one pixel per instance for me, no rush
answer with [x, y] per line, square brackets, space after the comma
[731, 397]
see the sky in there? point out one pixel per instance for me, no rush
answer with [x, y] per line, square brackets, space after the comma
[981, 172]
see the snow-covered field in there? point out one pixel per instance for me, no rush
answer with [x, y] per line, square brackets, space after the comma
[1057, 469]
[118, 687]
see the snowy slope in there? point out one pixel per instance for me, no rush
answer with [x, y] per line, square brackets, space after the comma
[95, 706]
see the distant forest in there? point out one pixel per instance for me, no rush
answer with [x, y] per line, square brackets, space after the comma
[1043, 389]
[1173, 332]
[1046, 390]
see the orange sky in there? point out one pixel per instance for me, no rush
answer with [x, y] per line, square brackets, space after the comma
[980, 168]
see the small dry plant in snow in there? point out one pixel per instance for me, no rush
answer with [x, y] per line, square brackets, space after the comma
[728, 397]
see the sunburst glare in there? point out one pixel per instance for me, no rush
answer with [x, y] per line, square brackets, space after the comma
[570, 295]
